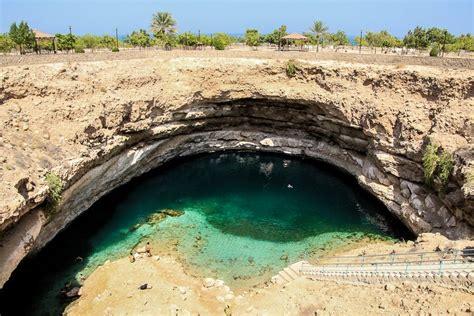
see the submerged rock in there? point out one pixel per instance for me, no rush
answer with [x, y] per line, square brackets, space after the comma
[171, 212]
[133, 228]
[155, 218]
[162, 214]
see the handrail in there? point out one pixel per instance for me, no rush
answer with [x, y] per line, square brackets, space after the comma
[451, 251]
[404, 261]
[454, 261]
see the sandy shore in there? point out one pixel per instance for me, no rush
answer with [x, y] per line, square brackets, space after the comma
[113, 290]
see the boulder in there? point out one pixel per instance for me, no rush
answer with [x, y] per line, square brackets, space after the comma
[267, 142]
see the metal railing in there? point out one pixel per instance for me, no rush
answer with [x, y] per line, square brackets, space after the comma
[432, 262]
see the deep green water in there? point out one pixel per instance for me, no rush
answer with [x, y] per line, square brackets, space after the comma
[242, 213]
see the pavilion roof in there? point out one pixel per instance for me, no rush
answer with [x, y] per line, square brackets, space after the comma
[295, 36]
[39, 34]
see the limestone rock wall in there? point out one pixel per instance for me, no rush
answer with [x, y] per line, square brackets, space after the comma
[98, 125]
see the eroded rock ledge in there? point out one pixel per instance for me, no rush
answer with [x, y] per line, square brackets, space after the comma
[98, 125]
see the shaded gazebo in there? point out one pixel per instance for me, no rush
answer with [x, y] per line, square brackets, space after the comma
[294, 38]
[40, 36]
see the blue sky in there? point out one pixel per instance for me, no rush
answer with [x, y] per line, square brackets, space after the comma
[234, 16]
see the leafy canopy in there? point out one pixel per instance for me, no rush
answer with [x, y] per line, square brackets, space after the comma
[139, 38]
[22, 35]
[252, 38]
[163, 25]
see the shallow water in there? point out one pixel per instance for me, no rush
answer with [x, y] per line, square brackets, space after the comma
[243, 215]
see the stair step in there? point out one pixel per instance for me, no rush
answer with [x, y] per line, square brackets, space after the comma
[284, 276]
[291, 273]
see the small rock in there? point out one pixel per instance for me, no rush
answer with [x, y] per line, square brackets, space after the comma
[451, 222]
[389, 287]
[284, 257]
[229, 297]
[208, 282]
[220, 299]
[182, 289]
[218, 283]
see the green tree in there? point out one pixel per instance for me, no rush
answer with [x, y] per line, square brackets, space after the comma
[462, 42]
[221, 40]
[364, 41]
[252, 38]
[6, 43]
[90, 41]
[374, 40]
[139, 38]
[339, 39]
[441, 37]
[65, 42]
[388, 40]
[205, 40]
[275, 36]
[163, 27]
[79, 45]
[108, 41]
[187, 39]
[22, 35]
[319, 30]
[418, 38]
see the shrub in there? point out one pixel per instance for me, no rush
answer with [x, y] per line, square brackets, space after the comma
[437, 163]
[79, 50]
[430, 162]
[221, 40]
[55, 187]
[434, 52]
[446, 166]
[115, 49]
[291, 68]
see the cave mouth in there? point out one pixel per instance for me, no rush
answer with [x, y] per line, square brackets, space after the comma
[242, 215]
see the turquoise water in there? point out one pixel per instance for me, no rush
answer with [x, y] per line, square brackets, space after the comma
[245, 217]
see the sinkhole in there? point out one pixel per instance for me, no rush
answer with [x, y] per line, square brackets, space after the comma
[236, 216]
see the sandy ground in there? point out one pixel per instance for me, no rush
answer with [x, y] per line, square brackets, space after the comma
[350, 56]
[113, 290]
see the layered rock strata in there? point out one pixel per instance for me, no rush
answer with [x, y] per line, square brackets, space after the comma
[97, 125]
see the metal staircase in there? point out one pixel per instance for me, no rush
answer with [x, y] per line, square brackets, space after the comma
[451, 267]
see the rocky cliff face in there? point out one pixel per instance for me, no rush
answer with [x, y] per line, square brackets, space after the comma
[99, 124]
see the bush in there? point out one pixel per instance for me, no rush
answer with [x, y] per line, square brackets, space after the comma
[446, 166]
[437, 163]
[291, 68]
[221, 40]
[430, 162]
[434, 52]
[115, 49]
[79, 50]
[55, 187]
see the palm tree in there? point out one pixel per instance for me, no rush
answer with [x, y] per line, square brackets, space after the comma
[163, 24]
[319, 29]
